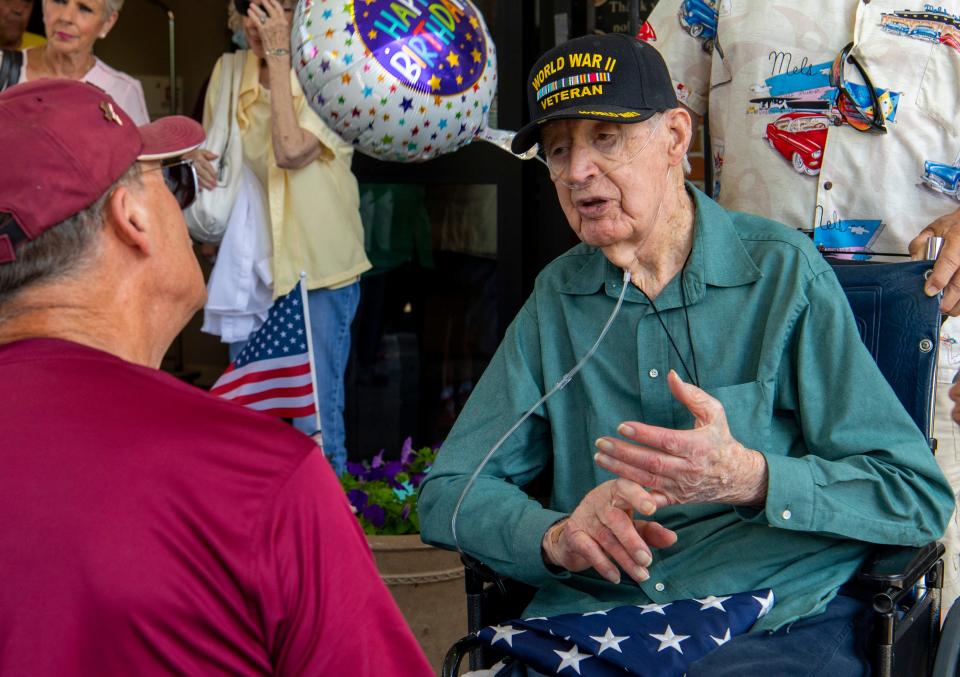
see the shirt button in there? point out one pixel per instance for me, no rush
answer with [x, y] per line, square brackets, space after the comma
[828, 185]
[787, 514]
[660, 587]
[654, 373]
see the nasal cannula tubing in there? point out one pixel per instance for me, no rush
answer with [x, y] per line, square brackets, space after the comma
[559, 386]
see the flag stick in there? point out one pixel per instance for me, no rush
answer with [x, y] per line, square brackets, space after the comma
[313, 371]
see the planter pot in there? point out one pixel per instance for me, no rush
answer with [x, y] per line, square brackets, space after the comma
[427, 584]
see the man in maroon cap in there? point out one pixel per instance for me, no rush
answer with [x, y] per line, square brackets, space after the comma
[147, 527]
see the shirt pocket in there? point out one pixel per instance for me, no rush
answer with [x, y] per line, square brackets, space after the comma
[940, 88]
[748, 407]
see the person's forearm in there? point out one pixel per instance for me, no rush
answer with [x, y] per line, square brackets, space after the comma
[293, 147]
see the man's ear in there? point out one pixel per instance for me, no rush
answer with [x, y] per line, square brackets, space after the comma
[125, 216]
[680, 128]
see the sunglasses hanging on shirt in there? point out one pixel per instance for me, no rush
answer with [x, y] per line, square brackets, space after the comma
[869, 118]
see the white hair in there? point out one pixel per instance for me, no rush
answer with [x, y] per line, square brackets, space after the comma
[112, 6]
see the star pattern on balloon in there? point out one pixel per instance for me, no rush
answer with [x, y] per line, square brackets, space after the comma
[355, 63]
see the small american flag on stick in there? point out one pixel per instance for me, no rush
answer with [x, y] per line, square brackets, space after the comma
[274, 372]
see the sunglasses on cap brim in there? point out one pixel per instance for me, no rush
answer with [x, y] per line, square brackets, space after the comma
[181, 180]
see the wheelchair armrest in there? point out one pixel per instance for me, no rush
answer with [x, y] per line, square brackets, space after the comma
[900, 567]
[478, 574]
[463, 646]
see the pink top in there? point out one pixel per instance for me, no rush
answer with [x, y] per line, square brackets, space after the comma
[149, 528]
[125, 89]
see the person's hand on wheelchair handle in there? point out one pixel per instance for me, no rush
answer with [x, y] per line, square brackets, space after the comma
[703, 465]
[946, 271]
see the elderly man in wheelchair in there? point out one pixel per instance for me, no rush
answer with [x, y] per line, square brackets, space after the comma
[730, 435]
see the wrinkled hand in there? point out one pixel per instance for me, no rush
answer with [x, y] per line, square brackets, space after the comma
[703, 465]
[946, 271]
[602, 527]
[271, 23]
[203, 163]
[955, 396]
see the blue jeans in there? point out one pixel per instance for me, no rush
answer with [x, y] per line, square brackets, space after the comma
[831, 644]
[331, 312]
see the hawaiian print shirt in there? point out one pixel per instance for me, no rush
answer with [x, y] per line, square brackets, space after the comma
[782, 146]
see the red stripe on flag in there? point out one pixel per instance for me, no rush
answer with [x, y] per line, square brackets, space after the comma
[258, 376]
[273, 394]
[291, 413]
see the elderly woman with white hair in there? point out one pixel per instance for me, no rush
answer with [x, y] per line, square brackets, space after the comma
[72, 27]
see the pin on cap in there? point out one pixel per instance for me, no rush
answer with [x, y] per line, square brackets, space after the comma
[67, 143]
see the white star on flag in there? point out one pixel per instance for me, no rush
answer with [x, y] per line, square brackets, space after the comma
[595, 613]
[571, 659]
[721, 640]
[765, 604]
[505, 633]
[654, 608]
[608, 641]
[712, 602]
[669, 640]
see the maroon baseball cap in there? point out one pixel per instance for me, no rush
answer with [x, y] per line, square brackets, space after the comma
[65, 143]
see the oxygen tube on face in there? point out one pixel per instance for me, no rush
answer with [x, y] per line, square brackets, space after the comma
[559, 386]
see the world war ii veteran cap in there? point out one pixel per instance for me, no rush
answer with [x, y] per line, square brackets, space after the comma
[610, 77]
[64, 144]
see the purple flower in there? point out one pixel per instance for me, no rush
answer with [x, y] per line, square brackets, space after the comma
[377, 473]
[358, 499]
[391, 470]
[375, 515]
[417, 478]
[358, 470]
[407, 453]
[377, 460]
[405, 513]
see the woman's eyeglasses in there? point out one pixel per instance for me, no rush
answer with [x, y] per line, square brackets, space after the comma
[181, 180]
[870, 119]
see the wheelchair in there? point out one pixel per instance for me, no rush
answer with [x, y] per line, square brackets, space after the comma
[900, 326]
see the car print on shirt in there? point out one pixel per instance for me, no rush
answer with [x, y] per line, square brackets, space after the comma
[807, 103]
[855, 237]
[800, 138]
[930, 24]
[699, 19]
[951, 40]
[646, 33]
[942, 178]
[809, 87]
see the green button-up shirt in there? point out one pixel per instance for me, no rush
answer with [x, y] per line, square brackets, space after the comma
[776, 343]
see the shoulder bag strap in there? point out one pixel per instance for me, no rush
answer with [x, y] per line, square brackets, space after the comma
[230, 88]
[10, 68]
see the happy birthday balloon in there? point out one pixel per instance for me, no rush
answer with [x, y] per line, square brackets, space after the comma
[403, 80]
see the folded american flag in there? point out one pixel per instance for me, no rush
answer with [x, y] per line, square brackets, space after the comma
[652, 640]
[273, 372]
